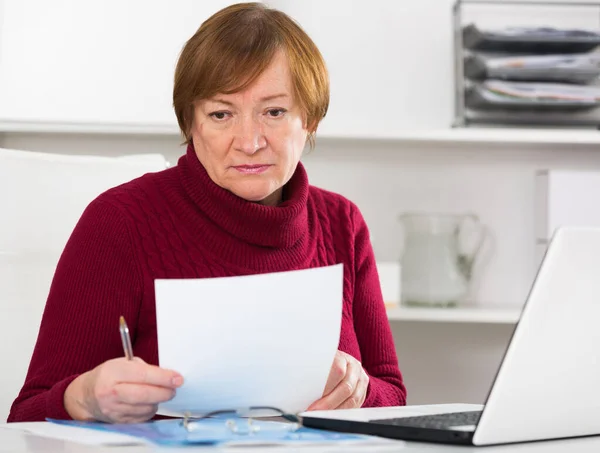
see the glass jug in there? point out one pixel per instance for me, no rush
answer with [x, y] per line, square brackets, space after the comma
[438, 254]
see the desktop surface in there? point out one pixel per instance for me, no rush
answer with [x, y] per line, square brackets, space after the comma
[15, 441]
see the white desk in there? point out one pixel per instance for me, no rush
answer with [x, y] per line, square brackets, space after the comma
[19, 442]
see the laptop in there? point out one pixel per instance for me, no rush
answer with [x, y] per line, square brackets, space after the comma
[548, 384]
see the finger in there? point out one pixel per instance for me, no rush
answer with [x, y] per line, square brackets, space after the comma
[343, 390]
[358, 397]
[137, 371]
[336, 373]
[142, 394]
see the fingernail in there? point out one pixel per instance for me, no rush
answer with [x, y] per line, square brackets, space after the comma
[177, 381]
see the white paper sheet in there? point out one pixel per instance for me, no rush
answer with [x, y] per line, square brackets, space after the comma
[107, 439]
[74, 434]
[259, 340]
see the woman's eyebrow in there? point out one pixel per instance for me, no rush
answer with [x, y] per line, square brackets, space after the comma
[263, 99]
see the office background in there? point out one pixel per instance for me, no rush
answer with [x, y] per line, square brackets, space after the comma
[95, 77]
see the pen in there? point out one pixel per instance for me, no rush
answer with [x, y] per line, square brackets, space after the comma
[125, 338]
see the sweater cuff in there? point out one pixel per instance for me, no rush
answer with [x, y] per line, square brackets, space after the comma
[55, 400]
[383, 393]
[371, 394]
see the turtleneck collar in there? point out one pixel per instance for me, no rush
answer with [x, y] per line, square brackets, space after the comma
[279, 226]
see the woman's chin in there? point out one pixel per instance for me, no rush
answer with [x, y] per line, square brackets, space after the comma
[255, 195]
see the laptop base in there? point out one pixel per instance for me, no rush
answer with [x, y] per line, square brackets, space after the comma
[442, 436]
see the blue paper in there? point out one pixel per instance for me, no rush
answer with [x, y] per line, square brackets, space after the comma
[215, 431]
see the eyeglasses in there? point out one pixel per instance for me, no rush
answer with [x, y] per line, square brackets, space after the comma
[250, 414]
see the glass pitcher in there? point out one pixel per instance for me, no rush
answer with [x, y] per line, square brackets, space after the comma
[438, 254]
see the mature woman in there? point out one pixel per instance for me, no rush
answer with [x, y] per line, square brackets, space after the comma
[250, 90]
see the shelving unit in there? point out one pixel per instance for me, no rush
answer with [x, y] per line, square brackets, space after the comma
[477, 315]
[477, 36]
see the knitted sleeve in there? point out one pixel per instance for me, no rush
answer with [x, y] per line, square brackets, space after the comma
[386, 386]
[95, 282]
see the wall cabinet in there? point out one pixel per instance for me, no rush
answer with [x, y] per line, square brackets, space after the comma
[108, 65]
[104, 66]
[390, 63]
[95, 63]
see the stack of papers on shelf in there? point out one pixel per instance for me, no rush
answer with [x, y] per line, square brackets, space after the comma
[544, 91]
[564, 61]
[545, 33]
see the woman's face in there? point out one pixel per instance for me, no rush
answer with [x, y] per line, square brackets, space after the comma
[251, 142]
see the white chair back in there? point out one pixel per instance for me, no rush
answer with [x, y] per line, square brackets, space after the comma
[42, 196]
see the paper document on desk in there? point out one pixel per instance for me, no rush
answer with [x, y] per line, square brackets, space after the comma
[75, 434]
[257, 340]
[215, 432]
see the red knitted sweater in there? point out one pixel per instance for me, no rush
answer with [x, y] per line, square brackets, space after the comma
[178, 224]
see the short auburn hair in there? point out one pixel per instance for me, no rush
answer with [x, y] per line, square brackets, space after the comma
[233, 47]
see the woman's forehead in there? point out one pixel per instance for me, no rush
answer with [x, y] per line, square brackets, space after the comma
[275, 82]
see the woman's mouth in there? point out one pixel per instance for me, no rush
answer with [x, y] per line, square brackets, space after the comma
[252, 169]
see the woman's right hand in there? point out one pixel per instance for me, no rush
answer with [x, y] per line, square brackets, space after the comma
[120, 391]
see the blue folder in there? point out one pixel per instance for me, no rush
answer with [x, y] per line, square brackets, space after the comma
[218, 432]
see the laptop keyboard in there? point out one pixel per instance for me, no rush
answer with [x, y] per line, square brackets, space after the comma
[436, 421]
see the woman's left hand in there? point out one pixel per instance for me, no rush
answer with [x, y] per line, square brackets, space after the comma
[346, 386]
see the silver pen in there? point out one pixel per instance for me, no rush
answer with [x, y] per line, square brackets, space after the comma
[125, 338]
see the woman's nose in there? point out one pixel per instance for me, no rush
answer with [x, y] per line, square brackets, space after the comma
[249, 136]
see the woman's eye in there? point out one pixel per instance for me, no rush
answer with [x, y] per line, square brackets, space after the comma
[218, 115]
[276, 113]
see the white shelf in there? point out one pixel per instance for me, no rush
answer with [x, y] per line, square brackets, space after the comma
[474, 136]
[508, 315]
[88, 128]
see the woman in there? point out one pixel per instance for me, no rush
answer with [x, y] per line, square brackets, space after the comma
[250, 90]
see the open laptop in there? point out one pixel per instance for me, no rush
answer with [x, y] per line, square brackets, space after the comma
[548, 384]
